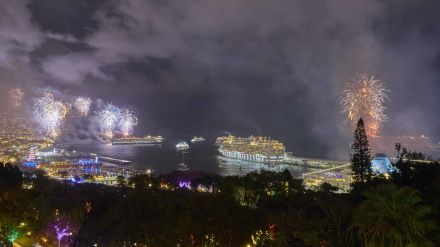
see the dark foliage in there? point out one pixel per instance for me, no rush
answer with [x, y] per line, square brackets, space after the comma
[274, 205]
[361, 158]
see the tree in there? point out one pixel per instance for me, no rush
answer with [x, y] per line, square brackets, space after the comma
[8, 235]
[393, 216]
[398, 148]
[361, 158]
[327, 188]
[141, 182]
[246, 197]
[89, 178]
[10, 176]
[121, 181]
[287, 177]
[262, 238]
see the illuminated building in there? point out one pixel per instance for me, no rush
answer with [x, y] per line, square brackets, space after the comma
[339, 177]
[16, 138]
[253, 149]
[30, 162]
[381, 164]
[64, 169]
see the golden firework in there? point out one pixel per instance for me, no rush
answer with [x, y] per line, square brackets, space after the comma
[364, 97]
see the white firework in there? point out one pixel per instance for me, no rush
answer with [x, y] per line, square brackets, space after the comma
[82, 105]
[108, 119]
[49, 113]
[17, 95]
[127, 122]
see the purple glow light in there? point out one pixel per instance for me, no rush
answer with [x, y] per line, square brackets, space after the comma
[61, 232]
[185, 184]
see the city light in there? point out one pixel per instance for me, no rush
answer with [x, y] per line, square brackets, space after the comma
[61, 232]
[185, 184]
[149, 123]
[13, 235]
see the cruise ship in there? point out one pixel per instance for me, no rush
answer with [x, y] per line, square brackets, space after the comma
[148, 140]
[254, 149]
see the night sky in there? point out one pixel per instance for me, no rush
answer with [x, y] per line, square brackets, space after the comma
[274, 68]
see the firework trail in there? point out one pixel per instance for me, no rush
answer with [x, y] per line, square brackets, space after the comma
[108, 119]
[127, 122]
[65, 109]
[364, 97]
[82, 105]
[17, 95]
[49, 113]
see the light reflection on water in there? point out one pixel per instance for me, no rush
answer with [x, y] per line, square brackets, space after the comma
[164, 159]
[232, 167]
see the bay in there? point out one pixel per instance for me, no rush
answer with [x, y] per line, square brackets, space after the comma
[164, 158]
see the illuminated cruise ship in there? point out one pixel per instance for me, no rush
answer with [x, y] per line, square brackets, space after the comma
[253, 149]
[148, 140]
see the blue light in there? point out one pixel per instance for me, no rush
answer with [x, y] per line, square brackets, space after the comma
[32, 164]
[79, 180]
[87, 162]
[381, 164]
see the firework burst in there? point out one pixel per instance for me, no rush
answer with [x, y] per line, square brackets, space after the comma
[17, 95]
[108, 119]
[82, 105]
[364, 97]
[127, 122]
[65, 109]
[49, 113]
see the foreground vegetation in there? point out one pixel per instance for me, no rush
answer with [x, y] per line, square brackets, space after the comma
[265, 209]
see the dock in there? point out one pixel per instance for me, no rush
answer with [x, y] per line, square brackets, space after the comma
[114, 160]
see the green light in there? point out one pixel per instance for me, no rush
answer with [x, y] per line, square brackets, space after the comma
[13, 235]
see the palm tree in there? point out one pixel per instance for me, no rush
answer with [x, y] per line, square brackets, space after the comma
[393, 216]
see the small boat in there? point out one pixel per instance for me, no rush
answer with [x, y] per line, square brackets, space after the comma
[197, 139]
[182, 146]
[182, 167]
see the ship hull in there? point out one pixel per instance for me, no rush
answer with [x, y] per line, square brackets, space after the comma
[256, 158]
[137, 143]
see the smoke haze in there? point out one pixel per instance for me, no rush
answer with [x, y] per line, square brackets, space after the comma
[273, 68]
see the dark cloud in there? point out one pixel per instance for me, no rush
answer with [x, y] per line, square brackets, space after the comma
[66, 17]
[18, 36]
[273, 68]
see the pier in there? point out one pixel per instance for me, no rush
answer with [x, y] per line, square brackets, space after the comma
[114, 161]
[314, 163]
